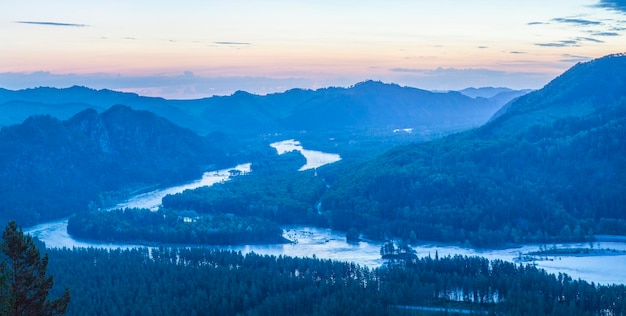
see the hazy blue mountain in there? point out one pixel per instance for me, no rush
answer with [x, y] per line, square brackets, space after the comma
[579, 91]
[51, 168]
[15, 111]
[378, 105]
[366, 105]
[502, 96]
[549, 167]
[16, 106]
[484, 92]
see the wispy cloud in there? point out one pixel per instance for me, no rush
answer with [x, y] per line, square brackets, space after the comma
[617, 5]
[517, 52]
[605, 34]
[589, 39]
[574, 42]
[415, 70]
[232, 43]
[576, 21]
[569, 58]
[536, 23]
[564, 43]
[52, 23]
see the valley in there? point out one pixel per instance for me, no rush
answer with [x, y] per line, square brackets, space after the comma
[604, 267]
[511, 200]
[313, 158]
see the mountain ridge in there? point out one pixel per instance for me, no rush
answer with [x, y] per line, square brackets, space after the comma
[52, 168]
[242, 112]
[592, 83]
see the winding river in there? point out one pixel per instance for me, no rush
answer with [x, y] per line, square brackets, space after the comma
[324, 243]
[314, 159]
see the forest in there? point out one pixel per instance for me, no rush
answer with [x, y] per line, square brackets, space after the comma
[197, 281]
[552, 183]
[246, 209]
[51, 169]
[169, 227]
[285, 198]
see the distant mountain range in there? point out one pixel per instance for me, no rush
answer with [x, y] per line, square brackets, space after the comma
[491, 92]
[550, 166]
[366, 105]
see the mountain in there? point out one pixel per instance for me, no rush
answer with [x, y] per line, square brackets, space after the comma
[549, 167]
[373, 104]
[51, 168]
[485, 92]
[365, 106]
[497, 95]
[578, 92]
[16, 106]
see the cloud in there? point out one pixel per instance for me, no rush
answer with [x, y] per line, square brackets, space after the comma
[605, 34]
[569, 58]
[575, 42]
[456, 79]
[576, 21]
[536, 23]
[616, 5]
[232, 43]
[416, 70]
[589, 39]
[564, 43]
[185, 85]
[52, 23]
[517, 52]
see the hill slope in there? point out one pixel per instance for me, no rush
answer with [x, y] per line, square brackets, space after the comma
[51, 168]
[550, 167]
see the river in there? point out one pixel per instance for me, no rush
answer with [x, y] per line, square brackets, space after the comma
[314, 159]
[152, 200]
[327, 244]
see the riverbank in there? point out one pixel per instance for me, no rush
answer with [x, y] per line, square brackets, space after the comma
[577, 252]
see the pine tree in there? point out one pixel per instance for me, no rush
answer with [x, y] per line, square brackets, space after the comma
[27, 285]
[4, 289]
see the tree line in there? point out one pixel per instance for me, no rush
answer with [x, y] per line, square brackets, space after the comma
[170, 227]
[197, 281]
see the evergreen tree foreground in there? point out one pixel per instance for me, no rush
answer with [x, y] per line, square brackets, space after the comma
[24, 285]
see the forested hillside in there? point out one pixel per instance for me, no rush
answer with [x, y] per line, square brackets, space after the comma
[51, 168]
[550, 167]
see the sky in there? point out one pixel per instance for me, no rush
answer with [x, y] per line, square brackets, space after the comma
[191, 49]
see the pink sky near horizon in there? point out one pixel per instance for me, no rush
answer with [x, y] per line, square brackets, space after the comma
[186, 49]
